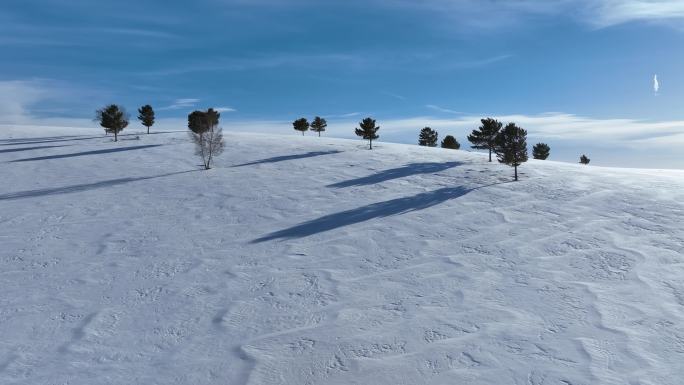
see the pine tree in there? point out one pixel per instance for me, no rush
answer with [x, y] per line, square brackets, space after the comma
[301, 125]
[484, 138]
[584, 159]
[428, 137]
[541, 151]
[511, 146]
[207, 135]
[196, 122]
[451, 142]
[318, 125]
[368, 130]
[146, 116]
[113, 118]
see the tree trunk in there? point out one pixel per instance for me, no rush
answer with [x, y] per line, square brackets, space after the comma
[490, 154]
[370, 143]
[148, 130]
[319, 134]
[116, 138]
[516, 173]
[302, 133]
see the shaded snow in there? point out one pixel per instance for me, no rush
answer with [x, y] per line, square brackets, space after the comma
[315, 261]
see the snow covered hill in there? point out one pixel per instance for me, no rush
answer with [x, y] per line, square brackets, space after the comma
[315, 261]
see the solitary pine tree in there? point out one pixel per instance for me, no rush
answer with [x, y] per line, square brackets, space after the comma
[484, 138]
[146, 116]
[207, 135]
[584, 159]
[113, 118]
[511, 146]
[368, 130]
[450, 142]
[541, 151]
[301, 125]
[318, 125]
[428, 137]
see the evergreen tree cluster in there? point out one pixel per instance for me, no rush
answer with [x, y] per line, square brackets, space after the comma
[114, 118]
[318, 125]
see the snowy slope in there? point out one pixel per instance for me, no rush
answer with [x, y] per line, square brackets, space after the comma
[315, 261]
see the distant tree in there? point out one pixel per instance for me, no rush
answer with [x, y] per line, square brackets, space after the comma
[484, 138]
[207, 135]
[451, 142]
[196, 122]
[428, 137]
[511, 146]
[318, 125]
[368, 130]
[541, 151]
[584, 159]
[301, 125]
[146, 116]
[113, 118]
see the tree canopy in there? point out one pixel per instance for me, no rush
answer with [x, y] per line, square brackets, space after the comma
[511, 146]
[484, 138]
[368, 130]
[428, 137]
[451, 142]
[113, 118]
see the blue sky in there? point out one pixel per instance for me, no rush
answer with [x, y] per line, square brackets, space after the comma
[577, 74]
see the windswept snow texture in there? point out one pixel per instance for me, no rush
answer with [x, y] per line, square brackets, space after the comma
[316, 261]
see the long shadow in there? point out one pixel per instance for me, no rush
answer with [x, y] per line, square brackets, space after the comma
[80, 187]
[12, 140]
[40, 141]
[85, 153]
[29, 148]
[396, 173]
[68, 138]
[289, 157]
[365, 213]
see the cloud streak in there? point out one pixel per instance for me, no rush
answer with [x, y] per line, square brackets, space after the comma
[597, 13]
[181, 104]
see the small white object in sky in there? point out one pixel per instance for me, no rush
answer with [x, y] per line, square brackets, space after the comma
[656, 84]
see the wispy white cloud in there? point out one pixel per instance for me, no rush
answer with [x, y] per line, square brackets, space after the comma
[393, 95]
[494, 14]
[342, 116]
[181, 104]
[606, 13]
[442, 109]
[225, 109]
[557, 127]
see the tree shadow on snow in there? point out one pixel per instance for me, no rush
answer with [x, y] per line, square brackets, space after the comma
[94, 152]
[376, 210]
[290, 157]
[55, 139]
[396, 173]
[68, 138]
[29, 148]
[81, 187]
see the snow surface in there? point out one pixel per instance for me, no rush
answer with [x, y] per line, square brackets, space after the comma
[315, 261]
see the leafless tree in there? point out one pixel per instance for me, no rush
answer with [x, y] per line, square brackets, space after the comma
[207, 135]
